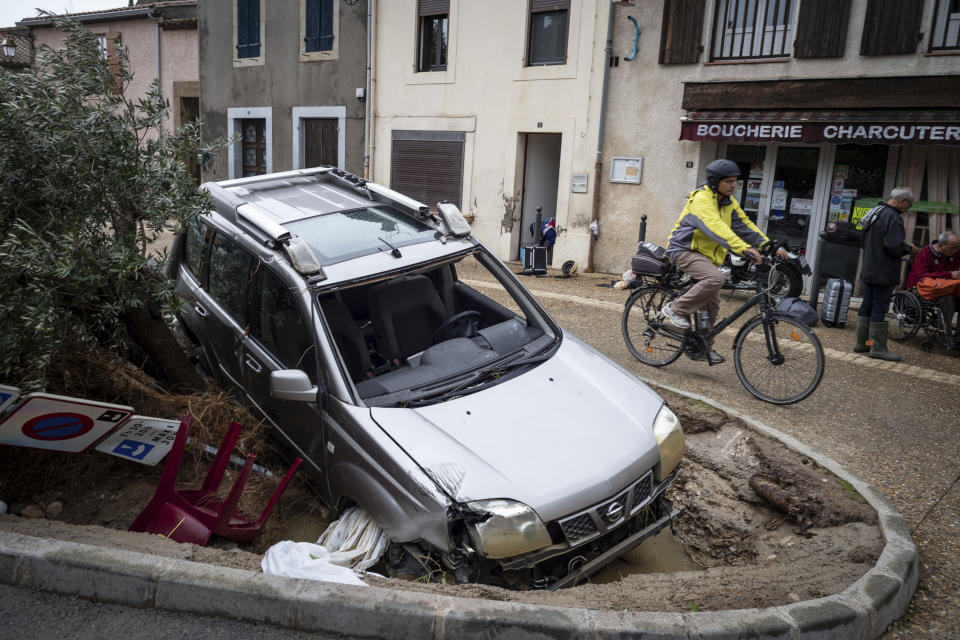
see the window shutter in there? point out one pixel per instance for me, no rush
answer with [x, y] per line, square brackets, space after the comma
[548, 5]
[248, 28]
[311, 38]
[822, 28]
[113, 59]
[326, 25]
[682, 31]
[891, 26]
[433, 7]
[427, 165]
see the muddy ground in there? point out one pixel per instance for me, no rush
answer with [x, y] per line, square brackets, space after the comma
[761, 525]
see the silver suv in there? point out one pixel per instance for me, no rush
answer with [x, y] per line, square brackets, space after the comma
[419, 379]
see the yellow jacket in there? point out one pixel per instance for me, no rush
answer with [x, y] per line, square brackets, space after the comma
[712, 230]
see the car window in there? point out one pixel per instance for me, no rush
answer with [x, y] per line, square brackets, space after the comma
[279, 325]
[335, 237]
[470, 273]
[196, 238]
[229, 276]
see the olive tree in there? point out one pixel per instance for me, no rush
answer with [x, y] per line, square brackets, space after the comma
[87, 186]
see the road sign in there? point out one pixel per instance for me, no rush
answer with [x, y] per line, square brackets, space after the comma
[142, 439]
[46, 421]
[8, 396]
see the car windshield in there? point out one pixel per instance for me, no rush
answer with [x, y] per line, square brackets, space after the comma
[339, 236]
[437, 332]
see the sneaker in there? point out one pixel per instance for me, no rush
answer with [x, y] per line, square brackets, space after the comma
[715, 358]
[675, 318]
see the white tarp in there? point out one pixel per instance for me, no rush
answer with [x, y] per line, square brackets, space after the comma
[348, 546]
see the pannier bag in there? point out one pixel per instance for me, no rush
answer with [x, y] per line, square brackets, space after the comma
[650, 260]
[798, 310]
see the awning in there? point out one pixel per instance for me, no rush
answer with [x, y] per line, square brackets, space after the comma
[858, 127]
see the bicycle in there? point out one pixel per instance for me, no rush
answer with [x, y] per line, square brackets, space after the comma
[777, 358]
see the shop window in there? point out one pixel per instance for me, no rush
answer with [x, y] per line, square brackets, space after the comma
[890, 27]
[433, 26]
[682, 31]
[752, 29]
[318, 25]
[547, 39]
[749, 188]
[945, 31]
[822, 28]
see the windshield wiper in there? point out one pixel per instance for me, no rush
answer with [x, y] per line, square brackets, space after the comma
[483, 376]
[393, 250]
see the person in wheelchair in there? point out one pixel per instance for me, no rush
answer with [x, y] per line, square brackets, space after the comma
[935, 275]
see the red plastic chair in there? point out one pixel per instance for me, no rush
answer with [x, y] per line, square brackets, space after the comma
[193, 515]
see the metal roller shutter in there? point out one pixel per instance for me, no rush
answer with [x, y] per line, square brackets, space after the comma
[427, 165]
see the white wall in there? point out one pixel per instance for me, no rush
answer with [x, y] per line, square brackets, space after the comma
[489, 94]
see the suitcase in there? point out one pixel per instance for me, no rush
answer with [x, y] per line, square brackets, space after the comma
[836, 302]
[534, 259]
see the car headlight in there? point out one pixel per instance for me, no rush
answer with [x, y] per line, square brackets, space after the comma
[506, 528]
[666, 429]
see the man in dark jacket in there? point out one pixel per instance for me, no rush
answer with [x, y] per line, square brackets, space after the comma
[883, 246]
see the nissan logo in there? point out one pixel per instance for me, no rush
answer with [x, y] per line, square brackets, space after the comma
[614, 511]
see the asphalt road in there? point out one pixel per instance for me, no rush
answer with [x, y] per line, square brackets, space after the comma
[895, 427]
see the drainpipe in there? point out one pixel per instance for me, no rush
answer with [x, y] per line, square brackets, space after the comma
[598, 165]
[369, 130]
[156, 19]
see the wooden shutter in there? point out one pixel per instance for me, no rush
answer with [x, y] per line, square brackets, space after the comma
[113, 59]
[822, 28]
[682, 31]
[326, 25]
[891, 26]
[427, 165]
[433, 7]
[248, 28]
[319, 25]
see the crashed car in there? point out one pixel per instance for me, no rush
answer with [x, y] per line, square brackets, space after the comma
[418, 379]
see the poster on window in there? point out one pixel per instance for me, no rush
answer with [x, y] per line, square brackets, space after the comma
[841, 171]
[801, 206]
[836, 202]
[779, 199]
[837, 185]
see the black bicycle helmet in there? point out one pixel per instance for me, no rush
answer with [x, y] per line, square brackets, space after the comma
[720, 169]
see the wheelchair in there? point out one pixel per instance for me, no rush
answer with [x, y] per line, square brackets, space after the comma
[909, 314]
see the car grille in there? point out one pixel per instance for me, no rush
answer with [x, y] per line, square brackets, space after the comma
[609, 514]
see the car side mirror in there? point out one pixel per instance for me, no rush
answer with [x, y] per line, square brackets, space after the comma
[292, 384]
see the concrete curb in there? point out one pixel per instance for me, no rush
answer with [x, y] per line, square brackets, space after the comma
[864, 610]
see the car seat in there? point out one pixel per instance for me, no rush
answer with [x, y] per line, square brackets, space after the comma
[348, 337]
[405, 312]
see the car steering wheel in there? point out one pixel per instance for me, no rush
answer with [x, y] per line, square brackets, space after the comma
[460, 325]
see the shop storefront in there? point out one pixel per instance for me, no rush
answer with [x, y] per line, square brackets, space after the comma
[807, 172]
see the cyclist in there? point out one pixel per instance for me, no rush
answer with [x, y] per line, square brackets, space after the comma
[711, 224]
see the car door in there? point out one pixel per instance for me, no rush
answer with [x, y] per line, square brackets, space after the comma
[281, 337]
[222, 305]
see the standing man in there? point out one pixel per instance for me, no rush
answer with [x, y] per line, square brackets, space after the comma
[711, 224]
[883, 246]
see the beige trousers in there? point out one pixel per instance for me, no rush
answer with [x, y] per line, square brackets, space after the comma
[705, 294]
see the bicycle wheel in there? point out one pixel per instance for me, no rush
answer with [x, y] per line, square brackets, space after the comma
[649, 338]
[782, 367]
[905, 317]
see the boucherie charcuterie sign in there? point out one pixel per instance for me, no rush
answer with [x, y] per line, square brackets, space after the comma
[865, 133]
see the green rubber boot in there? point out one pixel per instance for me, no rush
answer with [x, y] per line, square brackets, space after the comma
[863, 331]
[878, 335]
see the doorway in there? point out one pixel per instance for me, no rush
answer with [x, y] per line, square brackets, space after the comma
[541, 179]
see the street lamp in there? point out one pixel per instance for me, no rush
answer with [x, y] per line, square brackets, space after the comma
[9, 47]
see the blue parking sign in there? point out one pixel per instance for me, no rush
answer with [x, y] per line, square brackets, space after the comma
[132, 449]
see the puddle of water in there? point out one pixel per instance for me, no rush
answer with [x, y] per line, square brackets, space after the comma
[659, 554]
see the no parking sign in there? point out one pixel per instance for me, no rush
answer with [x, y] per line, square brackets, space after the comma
[46, 421]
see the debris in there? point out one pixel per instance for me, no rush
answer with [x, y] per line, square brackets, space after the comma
[53, 510]
[33, 511]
